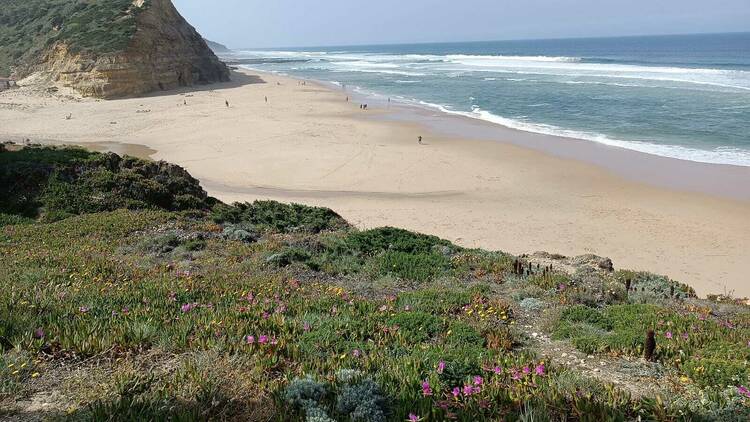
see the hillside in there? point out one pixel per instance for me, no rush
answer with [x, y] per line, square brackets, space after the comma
[217, 48]
[132, 295]
[105, 48]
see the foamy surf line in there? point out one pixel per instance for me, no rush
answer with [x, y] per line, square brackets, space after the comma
[722, 155]
[725, 155]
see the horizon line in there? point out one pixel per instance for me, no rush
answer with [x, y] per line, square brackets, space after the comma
[495, 40]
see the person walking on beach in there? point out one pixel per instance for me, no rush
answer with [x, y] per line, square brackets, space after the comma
[420, 140]
[227, 103]
[266, 99]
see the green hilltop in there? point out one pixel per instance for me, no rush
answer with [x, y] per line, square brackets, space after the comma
[130, 294]
[29, 27]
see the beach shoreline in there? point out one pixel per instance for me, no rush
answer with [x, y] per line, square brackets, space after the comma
[308, 145]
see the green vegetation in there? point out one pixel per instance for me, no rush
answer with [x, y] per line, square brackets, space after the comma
[28, 27]
[57, 183]
[194, 310]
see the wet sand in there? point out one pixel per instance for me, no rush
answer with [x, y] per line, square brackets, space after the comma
[474, 183]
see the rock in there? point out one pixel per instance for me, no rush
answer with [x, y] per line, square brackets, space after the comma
[606, 265]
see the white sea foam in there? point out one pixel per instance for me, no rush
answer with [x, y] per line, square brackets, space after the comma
[720, 155]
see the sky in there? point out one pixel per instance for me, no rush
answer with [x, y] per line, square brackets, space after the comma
[300, 23]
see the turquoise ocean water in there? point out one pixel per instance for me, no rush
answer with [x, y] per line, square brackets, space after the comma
[684, 97]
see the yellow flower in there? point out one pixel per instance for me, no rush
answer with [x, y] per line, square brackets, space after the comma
[35, 375]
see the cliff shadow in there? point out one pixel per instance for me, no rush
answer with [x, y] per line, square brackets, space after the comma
[237, 79]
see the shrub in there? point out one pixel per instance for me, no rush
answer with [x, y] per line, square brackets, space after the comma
[283, 218]
[416, 327]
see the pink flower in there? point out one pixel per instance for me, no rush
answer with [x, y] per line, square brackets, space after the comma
[263, 339]
[478, 381]
[540, 369]
[516, 376]
[743, 391]
[526, 370]
[250, 339]
[497, 370]
[426, 389]
[266, 315]
[188, 307]
[441, 367]
[456, 392]
[468, 390]
[84, 309]
[306, 326]
[356, 353]
[685, 336]
[414, 418]
[39, 334]
[668, 335]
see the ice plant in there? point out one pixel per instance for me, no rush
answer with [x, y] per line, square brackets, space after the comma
[263, 339]
[743, 391]
[497, 370]
[478, 381]
[468, 390]
[456, 392]
[426, 389]
[441, 367]
[414, 418]
[250, 339]
[668, 335]
[540, 369]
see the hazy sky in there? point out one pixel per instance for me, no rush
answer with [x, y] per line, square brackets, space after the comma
[288, 23]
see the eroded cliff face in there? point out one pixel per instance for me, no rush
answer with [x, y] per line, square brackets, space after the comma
[165, 53]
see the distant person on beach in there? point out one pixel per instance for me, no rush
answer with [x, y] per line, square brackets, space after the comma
[420, 140]
[266, 99]
[184, 102]
[227, 103]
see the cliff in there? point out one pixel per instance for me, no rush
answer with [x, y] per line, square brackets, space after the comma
[134, 47]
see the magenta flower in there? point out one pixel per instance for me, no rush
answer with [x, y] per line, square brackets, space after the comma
[497, 370]
[468, 390]
[516, 376]
[526, 370]
[39, 334]
[188, 307]
[685, 336]
[456, 392]
[441, 367]
[266, 315]
[414, 418]
[540, 369]
[743, 391]
[668, 335]
[478, 381]
[84, 309]
[250, 339]
[263, 339]
[426, 389]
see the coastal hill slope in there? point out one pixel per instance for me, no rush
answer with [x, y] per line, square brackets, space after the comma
[105, 48]
[132, 295]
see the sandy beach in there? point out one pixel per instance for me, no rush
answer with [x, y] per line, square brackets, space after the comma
[473, 183]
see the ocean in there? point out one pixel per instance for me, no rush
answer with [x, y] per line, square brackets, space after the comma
[685, 97]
